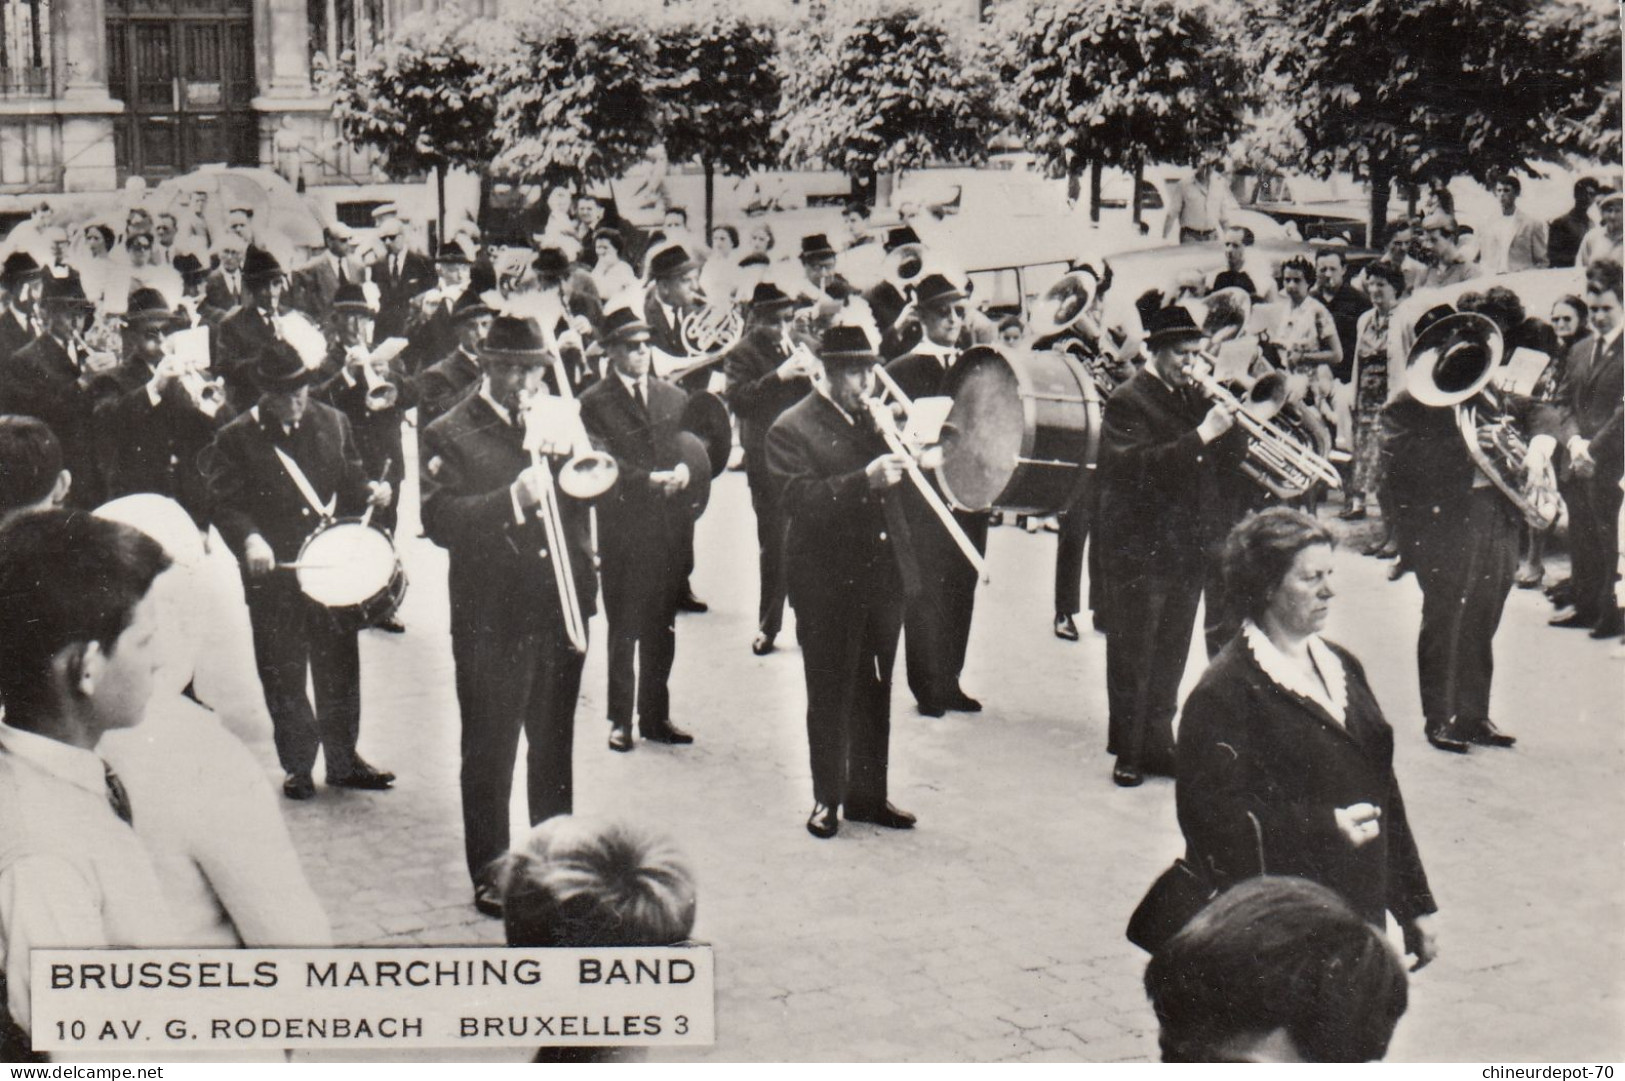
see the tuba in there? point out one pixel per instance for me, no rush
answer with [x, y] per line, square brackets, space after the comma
[1063, 304]
[904, 266]
[1450, 367]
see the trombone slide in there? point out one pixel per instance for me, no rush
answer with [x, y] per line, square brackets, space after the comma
[575, 626]
[894, 442]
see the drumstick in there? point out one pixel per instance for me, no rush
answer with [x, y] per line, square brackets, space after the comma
[366, 519]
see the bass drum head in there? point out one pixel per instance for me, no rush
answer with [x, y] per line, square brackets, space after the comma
[346, 565]
[982, 439]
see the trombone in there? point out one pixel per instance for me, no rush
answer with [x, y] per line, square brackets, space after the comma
[1275, 460]
[575, 624]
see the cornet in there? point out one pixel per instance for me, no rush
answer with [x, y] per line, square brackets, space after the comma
[208, 393]
[381, 393]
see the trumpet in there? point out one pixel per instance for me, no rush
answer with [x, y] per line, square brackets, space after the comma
[1277, 459]
[382, 394]
[208, 393]
[880, 409]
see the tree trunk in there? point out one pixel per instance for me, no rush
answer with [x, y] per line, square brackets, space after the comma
[1095, 170]
[1134, 198]
[1074, 183]
[710, 195]
[863, 187]
[440, 200]
[1381, 183]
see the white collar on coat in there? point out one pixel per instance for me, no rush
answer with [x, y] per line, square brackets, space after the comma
[1333, 696]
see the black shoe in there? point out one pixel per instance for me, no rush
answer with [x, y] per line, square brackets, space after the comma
[1446, 736]
[960, 702]
[390, 626]
[1398, 571]
[488, 899]
[762, 645]
[1486, 734]
[688, 602]
[1125, 775]
[1388, 550]
[1610, 625]
[1575, 618]
[822, 823]
[888, 816]
[299, 786]
[932, 709]
[1065, 629]
[364, 777]
[1352, 514]
[664, 732]
[620, 737]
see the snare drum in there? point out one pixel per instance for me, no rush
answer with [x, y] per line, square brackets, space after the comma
[351, 569]
[1023, 432]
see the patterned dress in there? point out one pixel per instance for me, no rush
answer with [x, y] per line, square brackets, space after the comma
[1371, 354]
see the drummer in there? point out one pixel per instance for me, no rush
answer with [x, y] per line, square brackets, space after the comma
[276, 473]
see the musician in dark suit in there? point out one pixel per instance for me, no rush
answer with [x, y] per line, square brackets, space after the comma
[1164, 455]
[1459, 533]
[938, 624]
[1588, 429]
[764, 379]
[848, 558]
[400, 275]
[887, 299]
[642, 525]
[223, 290]
[154, 419]
[432, 330]
[313, 285]
[453, 377]
[19, 288]
[246, 332]
[516, 667]
[275, 472]
[56, 377]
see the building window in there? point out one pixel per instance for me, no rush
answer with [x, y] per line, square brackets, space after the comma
[338, 27]
[25, 48]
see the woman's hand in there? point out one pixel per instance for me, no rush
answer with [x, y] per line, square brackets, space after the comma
[1359, 822]
[1420, 941]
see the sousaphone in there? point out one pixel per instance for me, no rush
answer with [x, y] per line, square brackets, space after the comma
[1063, 304]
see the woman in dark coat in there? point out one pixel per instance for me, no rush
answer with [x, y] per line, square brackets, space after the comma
[1285, 763]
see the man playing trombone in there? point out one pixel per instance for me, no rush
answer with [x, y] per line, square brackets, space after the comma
[848, 558]
[518, 667]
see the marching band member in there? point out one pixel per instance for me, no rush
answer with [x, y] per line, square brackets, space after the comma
[765, 377]
[834, 301]
[644, 529]
[1163, 450]
[676, 279]
[432, 331]
[275, 472]
[885, 298]
[848, 558]
[448, 381]
[516, 668]
[19, 288]
[251, 328]
[150, 426]
[938, 623]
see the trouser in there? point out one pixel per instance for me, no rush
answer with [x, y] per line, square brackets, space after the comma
[770, 537]
[507, 683]
[1593, 542]
[1148, 638]
[293, 636]
[1069, 550]
[642, 647]
[937, 626]
[848, 652]
[1466, 572]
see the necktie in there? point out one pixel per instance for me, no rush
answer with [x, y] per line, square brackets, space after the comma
[117, 798]
[637, 396]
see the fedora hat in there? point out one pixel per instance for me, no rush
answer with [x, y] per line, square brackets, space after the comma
[624, 325]
[260, 265]
[66, 291]
[279, 368]
[451, 252]
[1171, 324]
[847, 345]
[767, 296]
[470, 305]
[937, 289]
[515, 339]
[147, 309]
[551, 262]
[189, 267]
[901, 235]
[816, 246]
[351, 297]
[671, 261]
[19, 267]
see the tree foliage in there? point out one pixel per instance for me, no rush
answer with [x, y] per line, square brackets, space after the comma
[1121, 82]
[716, 78]
[426, 100]
[871, 88]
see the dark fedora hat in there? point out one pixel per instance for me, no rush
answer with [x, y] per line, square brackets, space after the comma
[350, 297]
[470, 305]
[147, 309]
[847, 345]
[260, 265]
[1431, 316]
[19, 267]
[1171, 324]
[551, 262]
[624, 325]
[816, 246]
[279, 368]
[189, 267]
[767, 296]
[937, 289]
[67, 292]
[901, 235]
[515, 339]
[670, 261]
[450, 252]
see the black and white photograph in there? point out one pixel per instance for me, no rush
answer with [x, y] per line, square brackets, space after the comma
[921, 531]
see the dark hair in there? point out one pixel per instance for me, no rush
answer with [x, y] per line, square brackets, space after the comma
[1334, 252]
[142, 239]
[680, 211]
[1277, 953]
[1497, 303]
[611, 234]
[1260, 551]
[1586, 187]
[1301, 265]
[30, 462]
[1606, 276]
[104, 231]
[65, 577]
[1510, 181]
[575, 882]
[1389, 273]
[733, 234]
[1446, 201]
[1581, 308]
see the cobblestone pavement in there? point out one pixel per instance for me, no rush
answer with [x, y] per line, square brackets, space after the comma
[994, 930]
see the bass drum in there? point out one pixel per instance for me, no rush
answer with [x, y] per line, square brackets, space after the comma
[1023, 432]
[351, 569]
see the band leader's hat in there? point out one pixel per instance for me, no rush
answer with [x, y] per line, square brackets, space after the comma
[516, 340]
[1170, 325]
[624, 326]
[847, 345]
[66, 292]
[936, 289]
[148, 310]
[278, 368]
[816, 246]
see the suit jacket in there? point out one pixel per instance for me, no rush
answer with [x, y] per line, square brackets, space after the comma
[758, 396]
[42, 380]
[395, 292]
[1527, 247]
[1590, 395]
[253, 493]
[313, 285]
[501, 581]
[142, 447]
[445, 383]
[664, 334]
[1346, 306]
[641, 533]
[1251, 751]
[847, 546]
[235, 343]
[377, 431]
[218, 297]
[1165, 501]
[13, 335]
